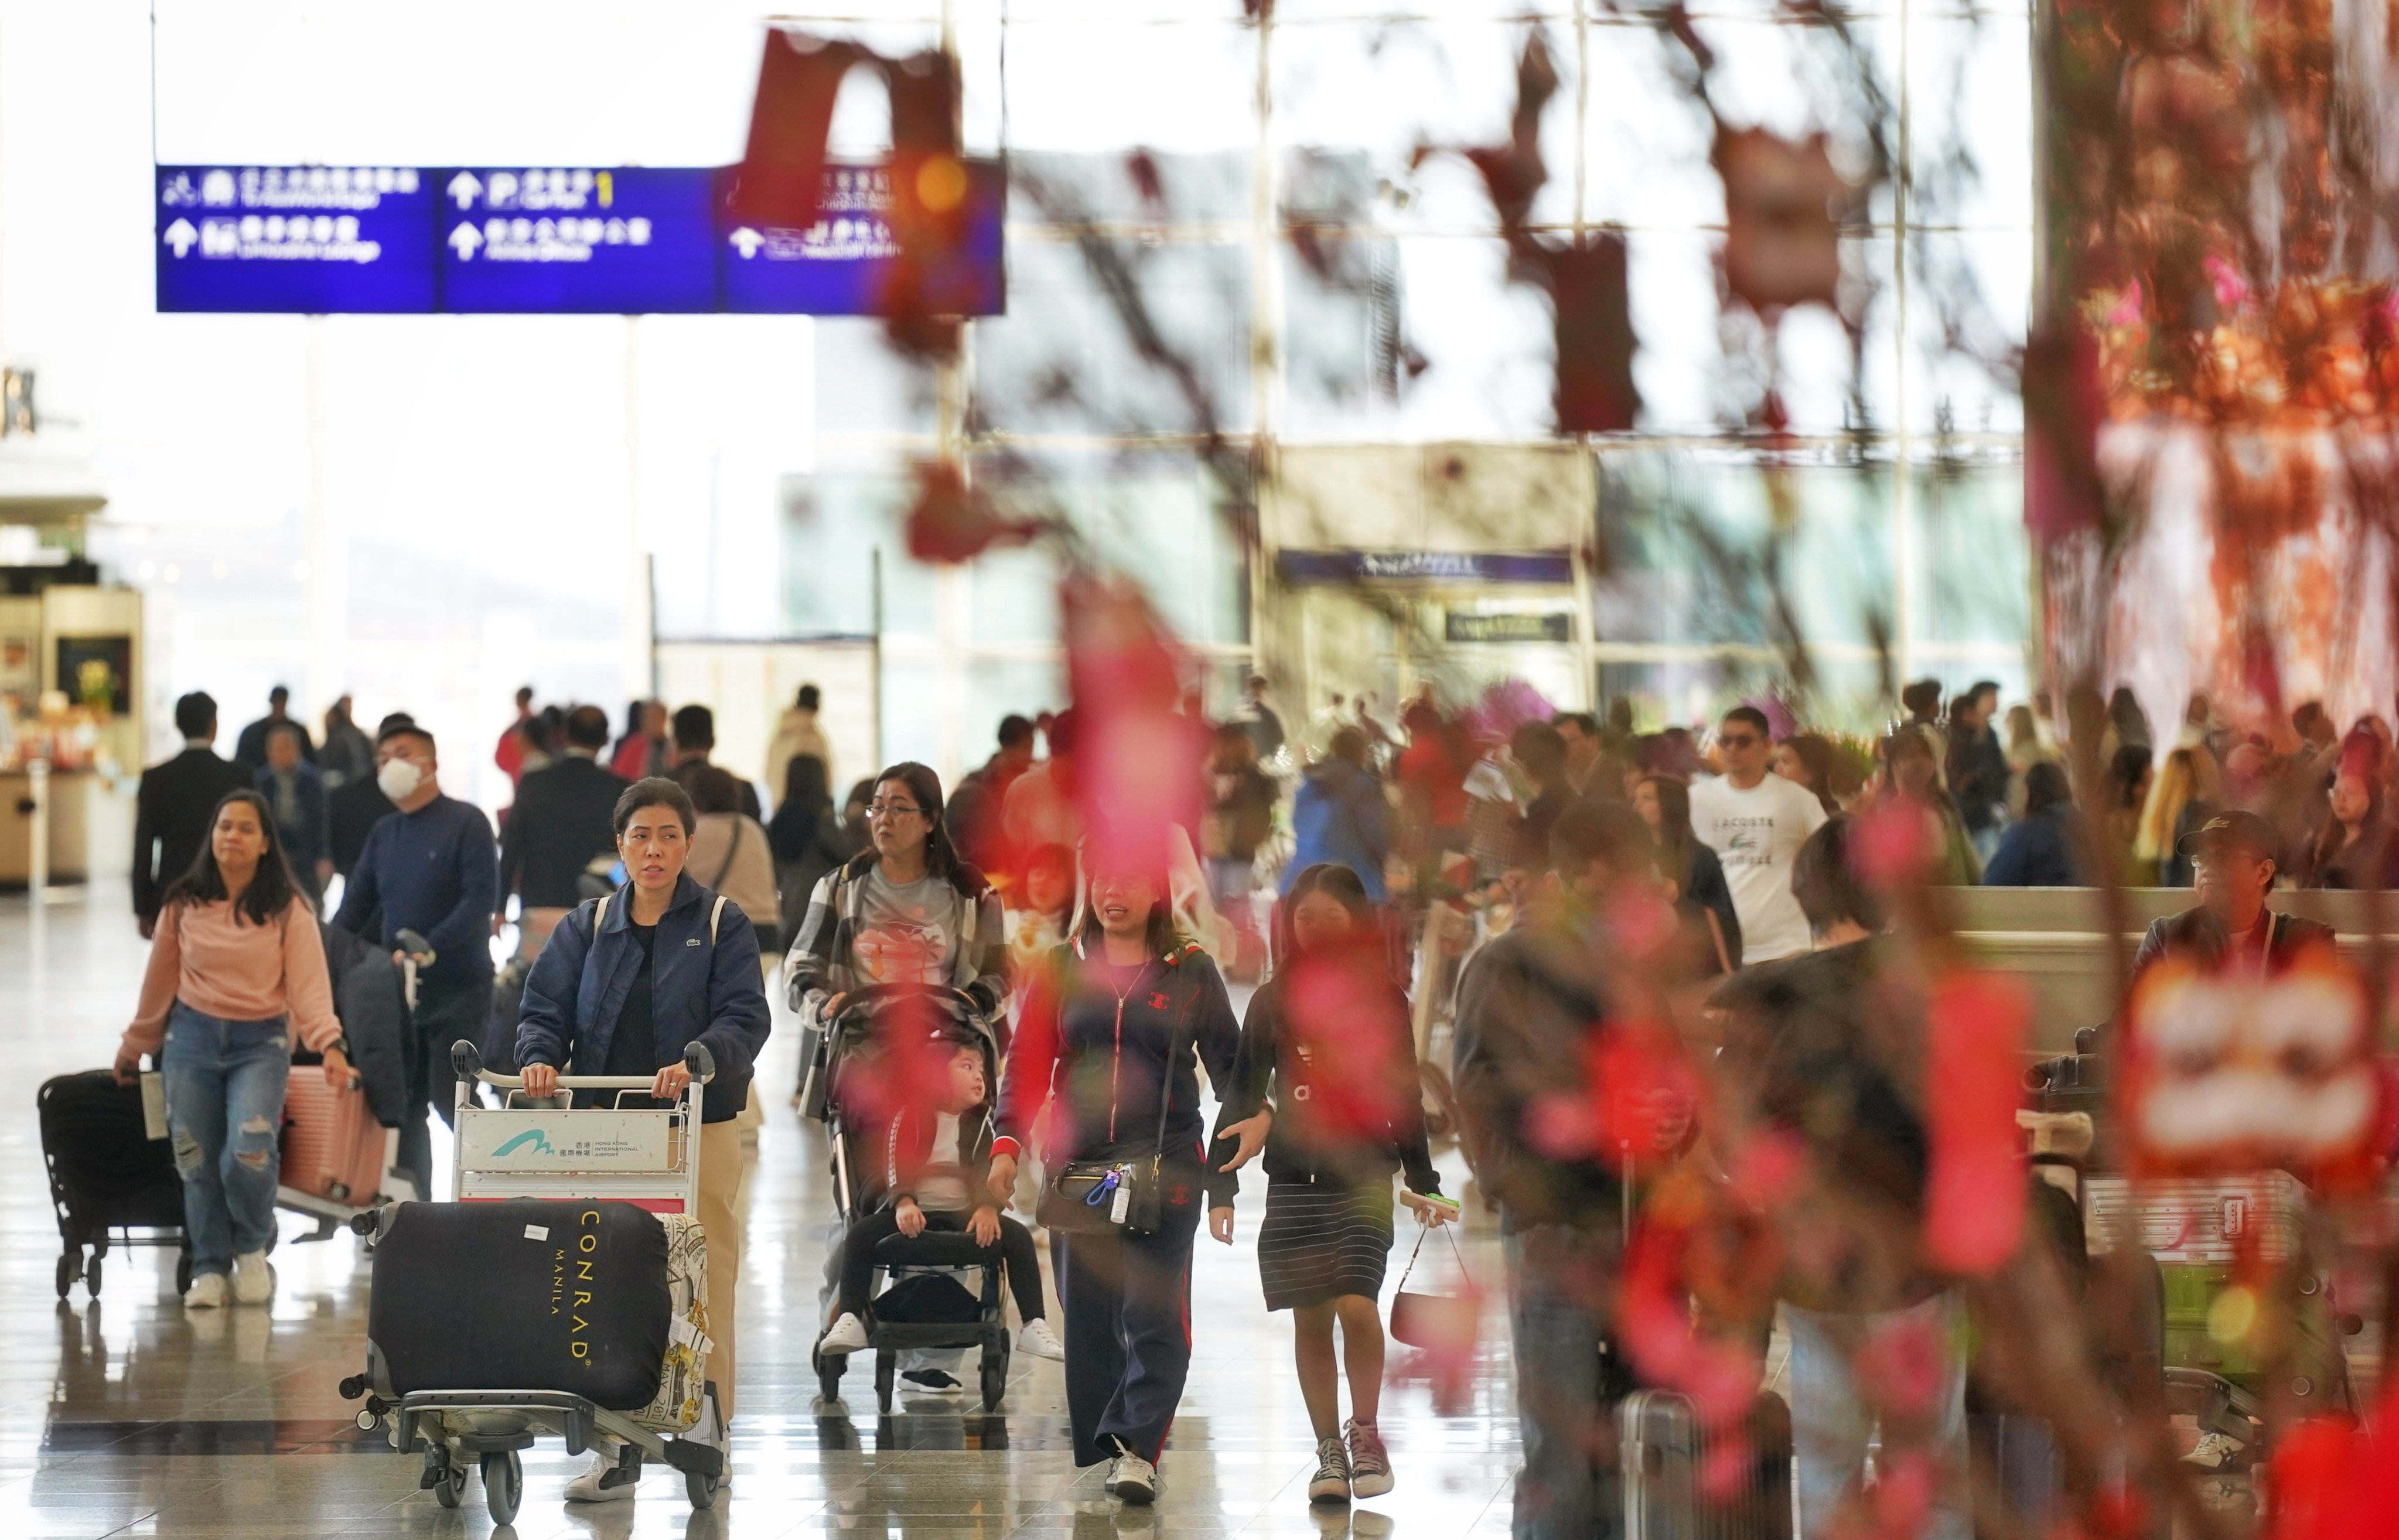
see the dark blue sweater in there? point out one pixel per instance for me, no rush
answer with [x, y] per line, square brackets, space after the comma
[435, 872]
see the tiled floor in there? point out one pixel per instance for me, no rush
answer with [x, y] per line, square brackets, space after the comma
[124, 1416]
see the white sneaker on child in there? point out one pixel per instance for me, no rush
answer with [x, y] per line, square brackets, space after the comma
[604, 1481]
[848, 1335]
[1132, 1478]
[1037, 1338]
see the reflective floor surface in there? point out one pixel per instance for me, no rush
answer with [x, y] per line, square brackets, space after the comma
[127, 1416]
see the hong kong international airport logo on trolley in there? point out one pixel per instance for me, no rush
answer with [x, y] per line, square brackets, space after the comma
[531, 1145]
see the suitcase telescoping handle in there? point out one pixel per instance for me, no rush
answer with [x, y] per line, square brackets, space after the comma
[468, 1061]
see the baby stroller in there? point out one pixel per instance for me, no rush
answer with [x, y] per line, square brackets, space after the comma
[930, 1290]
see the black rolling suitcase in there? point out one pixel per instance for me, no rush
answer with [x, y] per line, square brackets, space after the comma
[522, 1295]
[111, 1183]
[1662, 1447]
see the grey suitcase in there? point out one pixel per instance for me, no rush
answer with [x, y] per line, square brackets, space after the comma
[1662, 1447]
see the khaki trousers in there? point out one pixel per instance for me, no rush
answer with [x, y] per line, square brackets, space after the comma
[722, 1174]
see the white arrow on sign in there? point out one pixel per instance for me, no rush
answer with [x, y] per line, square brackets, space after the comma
[466, 189]
[464, 241]
[181, 236]
[747, 241]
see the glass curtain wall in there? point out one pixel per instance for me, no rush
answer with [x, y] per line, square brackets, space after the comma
[1264, 227]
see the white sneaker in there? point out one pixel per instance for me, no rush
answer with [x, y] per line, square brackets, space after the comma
[2214, 1451]
[253, 1281]
[1039, 1340]
[1131, 1478]
[604, 1481]
[848, 1335]
[207, 1293]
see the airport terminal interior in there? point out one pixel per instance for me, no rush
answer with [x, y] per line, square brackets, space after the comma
[127, 1415]
[1718, 678]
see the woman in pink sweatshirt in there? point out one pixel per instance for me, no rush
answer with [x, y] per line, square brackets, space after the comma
[236, 967]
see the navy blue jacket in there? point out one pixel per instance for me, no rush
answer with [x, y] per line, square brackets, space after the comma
[1105, 1059]
[699, 992]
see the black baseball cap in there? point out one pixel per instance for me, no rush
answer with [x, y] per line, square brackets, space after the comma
[2236, 830]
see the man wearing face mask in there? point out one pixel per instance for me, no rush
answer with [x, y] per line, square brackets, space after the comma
[432, 868]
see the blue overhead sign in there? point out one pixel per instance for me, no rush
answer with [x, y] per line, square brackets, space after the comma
[308, 239]
[552, 240]
[542, 240]
[837, 266]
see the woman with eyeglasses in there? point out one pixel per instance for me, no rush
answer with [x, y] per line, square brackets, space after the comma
[907, 909]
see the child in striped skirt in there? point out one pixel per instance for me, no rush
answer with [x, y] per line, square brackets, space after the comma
[1326, 1044]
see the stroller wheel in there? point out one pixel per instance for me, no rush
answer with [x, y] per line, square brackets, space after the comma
[91, 1277]
[887, 1364]
[70, 1269]
[830, 1369]
[995, 1380]
[503, 1485]
[451, 1487]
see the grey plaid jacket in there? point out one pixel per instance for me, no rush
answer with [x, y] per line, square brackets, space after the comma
[821, 963]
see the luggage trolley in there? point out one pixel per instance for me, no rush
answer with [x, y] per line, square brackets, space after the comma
[647, 1156]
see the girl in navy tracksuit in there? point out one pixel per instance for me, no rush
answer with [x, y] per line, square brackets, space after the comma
[1124, 1008]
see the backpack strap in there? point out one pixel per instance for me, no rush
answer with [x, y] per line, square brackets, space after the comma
[732, 852]
[599, 913]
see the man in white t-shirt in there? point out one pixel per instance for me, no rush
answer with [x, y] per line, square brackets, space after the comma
[1756, 823]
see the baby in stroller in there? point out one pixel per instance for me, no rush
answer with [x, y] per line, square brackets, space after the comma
[925, 1168]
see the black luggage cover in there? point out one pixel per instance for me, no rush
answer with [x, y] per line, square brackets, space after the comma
[372, 1005]
[110, 1171]
[523, 1295]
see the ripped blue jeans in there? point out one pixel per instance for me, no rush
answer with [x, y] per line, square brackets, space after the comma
[225, 1112]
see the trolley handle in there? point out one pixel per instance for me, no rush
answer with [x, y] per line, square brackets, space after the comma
[468, 1061]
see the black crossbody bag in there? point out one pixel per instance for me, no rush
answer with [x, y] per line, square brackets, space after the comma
[1116, 1197]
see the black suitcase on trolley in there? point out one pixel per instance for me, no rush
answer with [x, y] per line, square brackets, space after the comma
[522, 1295]
[108, 1177]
